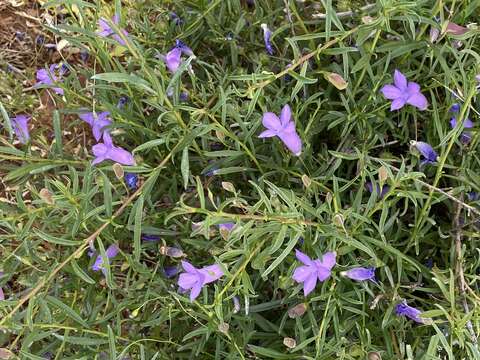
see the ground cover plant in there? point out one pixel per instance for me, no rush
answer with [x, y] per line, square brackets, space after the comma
[226, 179]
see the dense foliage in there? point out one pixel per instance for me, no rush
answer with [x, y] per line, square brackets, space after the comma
[92, 252]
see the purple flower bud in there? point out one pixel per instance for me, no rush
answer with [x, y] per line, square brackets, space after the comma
[150, 237]
[360, 274]
[455, 108]
[236, 304]
[131, 180]
[426, 151]
[40, 40]
[380, 191]
[267, 34]
[171, 251]
[170, 271]
[175, 18]
[183, 96]
[402, 309]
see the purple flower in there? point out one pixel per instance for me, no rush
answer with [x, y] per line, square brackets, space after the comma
[313, 270]
[107, 31]
[131, 180]
[110, 253]
[381, 191]
[360, 273]
[2, 295]
[404, 92]
[466, 136]
[170, 271]
[20, 127]
[98, 122]
[194, 279]
[426, 151]
[226, 226]
[284, 128]
[266, 38]
[84, 55]
[51, 76]
[108, 151]
[150, 237]
[402, 309]
[173, 59]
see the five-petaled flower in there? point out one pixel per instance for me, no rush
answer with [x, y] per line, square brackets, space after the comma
[194, 279]
[110, 253]
[51, 76]
[173, 59]
[98, 122]
[108, 151]
[426, 150]
[360, 273]
[403, 309]
[20, 127]
[106, 30]
[313, 270]
[284, 128]
[267, 34]
[404, 92]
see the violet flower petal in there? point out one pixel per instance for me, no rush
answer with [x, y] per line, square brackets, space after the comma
[173, 59]
[426, 150]
[360, 273]
[266, 38]
[110, 253]
[403, 309]
[20, 127]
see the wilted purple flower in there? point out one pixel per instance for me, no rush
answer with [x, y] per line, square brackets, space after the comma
[170, 271]
[98, 122]
[236, 304]
[20, 127]
[473, 196]
[360, 273]
[108, 151]
[84, 55]
[107, 31]
[150, 237]
[175, 18]
[284, 128]
[455, 29]
[426, 151]
[171, 251]
[434, 34]
[110, 253]
[194, 279]
[404, 92]
[131, 180]
[173, 59]
[466, 136]
[228, 226]
[40, 39]
[313, 270]
[122, 102]
[455, 108]
[402, 309]
[381, 191]
[267, 34]
[51, 76]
